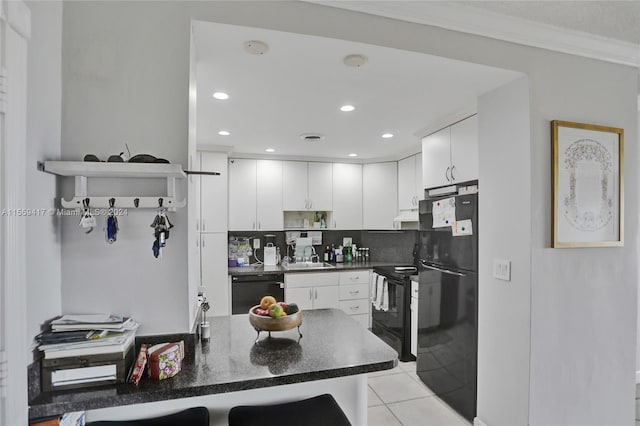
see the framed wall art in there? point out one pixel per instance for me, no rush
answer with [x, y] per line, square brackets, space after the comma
[587, 185]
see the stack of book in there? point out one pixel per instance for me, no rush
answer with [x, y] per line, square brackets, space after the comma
[86, 349]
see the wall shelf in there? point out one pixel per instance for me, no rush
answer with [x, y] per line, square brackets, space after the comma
[81, 170]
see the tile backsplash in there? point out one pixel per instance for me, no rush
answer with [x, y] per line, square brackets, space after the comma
[385, 246]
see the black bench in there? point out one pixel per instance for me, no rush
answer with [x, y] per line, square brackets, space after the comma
[321, 410]
[197, 416]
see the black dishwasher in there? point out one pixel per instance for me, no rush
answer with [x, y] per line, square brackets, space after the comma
[247, 290]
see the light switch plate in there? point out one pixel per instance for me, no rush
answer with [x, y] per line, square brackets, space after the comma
[502, 269]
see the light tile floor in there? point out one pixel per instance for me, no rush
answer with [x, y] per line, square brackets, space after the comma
[399, 398]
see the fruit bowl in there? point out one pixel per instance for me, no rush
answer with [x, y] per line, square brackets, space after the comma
[262, 323]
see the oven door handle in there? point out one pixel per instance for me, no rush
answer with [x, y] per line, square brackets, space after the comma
[444, 271]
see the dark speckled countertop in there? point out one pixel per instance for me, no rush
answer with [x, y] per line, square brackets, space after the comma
[337, 267]
[333, 345]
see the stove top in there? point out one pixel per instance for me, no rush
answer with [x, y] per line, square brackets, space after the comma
[399, 271]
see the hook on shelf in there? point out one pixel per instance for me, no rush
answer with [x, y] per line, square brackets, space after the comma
[85, 203]
[112, 202]
[160, 202]
[136, 202]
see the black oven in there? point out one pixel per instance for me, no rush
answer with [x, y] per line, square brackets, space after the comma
[393, 325]
[247, 290]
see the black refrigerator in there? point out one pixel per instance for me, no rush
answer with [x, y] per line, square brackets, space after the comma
[448, 295]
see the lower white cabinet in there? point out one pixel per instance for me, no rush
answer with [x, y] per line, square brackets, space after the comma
[354, 295]
[346, 290]
[312, 290]
[214, 272]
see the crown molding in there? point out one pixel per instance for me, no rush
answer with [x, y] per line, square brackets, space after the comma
[484, 23]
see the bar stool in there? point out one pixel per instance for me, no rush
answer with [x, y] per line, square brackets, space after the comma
[321, 410]
[197, 416]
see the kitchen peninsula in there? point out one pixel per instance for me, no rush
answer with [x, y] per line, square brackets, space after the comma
[332, 356]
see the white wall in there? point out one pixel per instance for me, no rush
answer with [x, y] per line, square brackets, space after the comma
[126, 76]
[505, 233]
[44, 82]
[125, 73]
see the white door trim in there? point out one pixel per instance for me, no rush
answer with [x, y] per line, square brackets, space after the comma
[15, 29]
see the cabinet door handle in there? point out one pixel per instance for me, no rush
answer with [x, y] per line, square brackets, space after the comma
[452, 178]
[316, 294]
[334, 224]
[354, 278]
[198, 243]
[310, 294]
[354, 308]
[310, 203]
[258, 224]
[354, 292]
[203, 225]
[446, 174]
[253, 225]
[197, 225]
[203, 243]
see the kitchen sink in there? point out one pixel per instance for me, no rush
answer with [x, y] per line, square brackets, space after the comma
[308, 265]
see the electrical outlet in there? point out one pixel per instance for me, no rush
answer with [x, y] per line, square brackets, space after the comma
[502, 269]
[256, 243]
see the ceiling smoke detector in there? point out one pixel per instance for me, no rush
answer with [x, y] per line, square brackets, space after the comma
[256, 47]
[355, 61]
[311, 137]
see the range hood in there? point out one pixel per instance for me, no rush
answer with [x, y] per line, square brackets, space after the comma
[407, 216]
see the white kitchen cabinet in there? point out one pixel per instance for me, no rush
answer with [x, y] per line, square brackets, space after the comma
[312, 290]
[410, 190]
[347, 196]
[214, 272]
[354, 295]
[213, 192]
[269, 215]
[464, 150]
[255, 195]
[242, 195]
[451, 154]
[379, 195]
[307, 186]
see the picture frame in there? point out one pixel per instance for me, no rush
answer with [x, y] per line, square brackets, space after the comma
[588, 185]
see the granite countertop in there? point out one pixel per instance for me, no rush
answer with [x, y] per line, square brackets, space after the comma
[278, 269]
[333, 345]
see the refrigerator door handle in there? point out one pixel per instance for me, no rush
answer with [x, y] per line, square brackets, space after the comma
[444, 271]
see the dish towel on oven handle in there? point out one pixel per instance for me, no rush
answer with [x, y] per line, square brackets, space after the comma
[379, 292]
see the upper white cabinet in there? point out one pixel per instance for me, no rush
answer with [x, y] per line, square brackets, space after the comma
[307, 186]
[464, 150]
[380, 195]
[269, 195]
[451, 154]
[347, 196]
[213, 192]
[410, 190]
[242, 195]
[255, 195]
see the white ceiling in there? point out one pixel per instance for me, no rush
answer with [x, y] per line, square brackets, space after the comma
[300, 84]
[619, 20]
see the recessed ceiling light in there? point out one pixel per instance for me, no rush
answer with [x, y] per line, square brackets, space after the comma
[347, 108]
[387, 135]
[220, 95]
[224, 133]
[353, 155]
[270, 150]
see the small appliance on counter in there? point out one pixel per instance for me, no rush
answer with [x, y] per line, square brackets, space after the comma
[270, 255]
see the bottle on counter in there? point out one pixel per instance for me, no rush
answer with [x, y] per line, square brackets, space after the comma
[332, 254]
[326, 253]
[348, 257]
